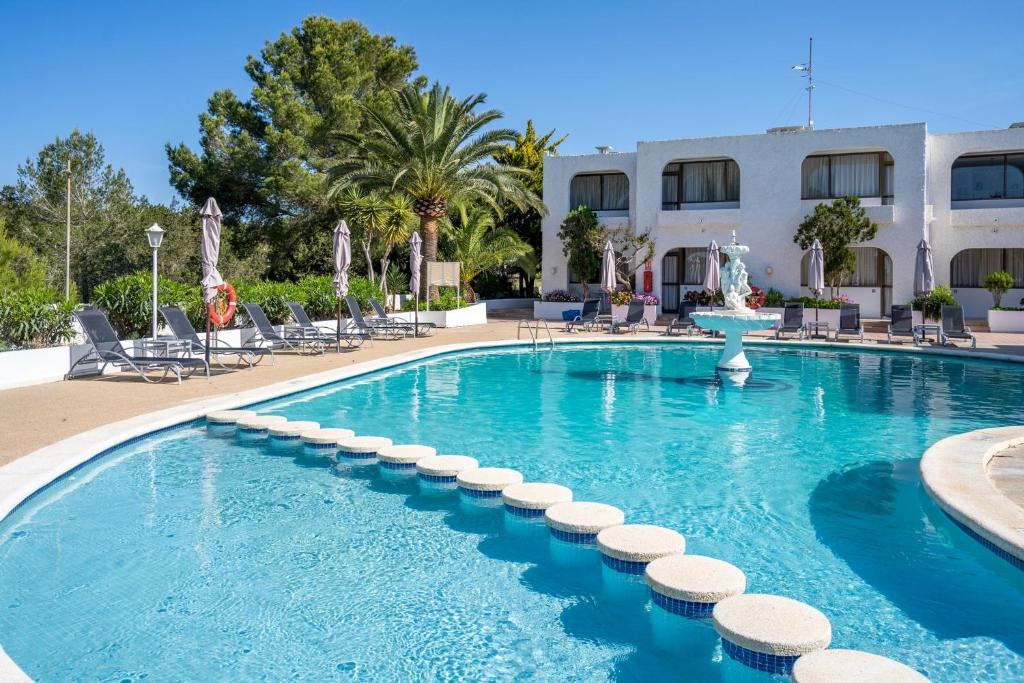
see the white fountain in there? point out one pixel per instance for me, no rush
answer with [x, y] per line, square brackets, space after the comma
[736, 318]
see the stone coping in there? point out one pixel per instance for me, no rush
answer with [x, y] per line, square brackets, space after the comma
[445, 465]
[292, 428]
[954, 471]
[852, 666]
[405, 454]
[363, 444]
[582, 517]
[228, 417]
[535, 495]
[261, 422]
[639, 542]
[695, 578]
[772, 624]
[326, 435]
[488, 478]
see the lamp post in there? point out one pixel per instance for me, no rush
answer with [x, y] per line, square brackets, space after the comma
[155, 235]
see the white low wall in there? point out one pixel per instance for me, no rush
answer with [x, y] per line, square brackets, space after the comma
[506, 304]
[552, 310]
[475, 314]
[1006, 321]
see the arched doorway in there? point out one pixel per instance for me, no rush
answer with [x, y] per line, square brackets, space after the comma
[869, 284]
[682, 269]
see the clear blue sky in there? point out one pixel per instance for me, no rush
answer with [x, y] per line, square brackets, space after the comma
[137, 74]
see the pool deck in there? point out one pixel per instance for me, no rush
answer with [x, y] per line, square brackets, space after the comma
[36, 416]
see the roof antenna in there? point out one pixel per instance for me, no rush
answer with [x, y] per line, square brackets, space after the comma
[808, 72]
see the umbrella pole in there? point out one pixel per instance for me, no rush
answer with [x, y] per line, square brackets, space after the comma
[416, 315]
[339, 318]
[207, 340]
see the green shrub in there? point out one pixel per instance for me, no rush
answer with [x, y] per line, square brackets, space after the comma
[773, 298]
[932, 304]
[998, 283]
[272, 297]
[31, 318]
[362, 289]
[446, 301]
[127, 301]
[812, 302]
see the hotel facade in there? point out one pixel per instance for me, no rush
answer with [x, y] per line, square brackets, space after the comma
[963, 192]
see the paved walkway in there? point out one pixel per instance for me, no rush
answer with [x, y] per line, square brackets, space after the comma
[1006, 472]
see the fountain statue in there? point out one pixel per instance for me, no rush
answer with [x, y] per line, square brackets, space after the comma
[736, 318]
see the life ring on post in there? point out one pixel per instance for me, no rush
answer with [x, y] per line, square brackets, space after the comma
[221, 318]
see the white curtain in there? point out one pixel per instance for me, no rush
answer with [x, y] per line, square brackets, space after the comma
[669, 189]
[1014, 265]
[865, 272]
[704, 182]
[814, 177]
[695, 265]
[585, 190]
[970, 267]
[855, 174]
[616, 192]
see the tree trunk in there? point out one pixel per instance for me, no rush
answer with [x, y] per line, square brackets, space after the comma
[369, 260]
[428, 233]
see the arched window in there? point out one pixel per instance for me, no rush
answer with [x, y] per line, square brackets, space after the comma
[988, 176]
[684, 267]
[715, 181]
[970, 267]
[829, 176]
[599, 191]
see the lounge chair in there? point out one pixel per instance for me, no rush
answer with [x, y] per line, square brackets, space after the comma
[792, 321]
[381, 318]
[849, 321]
[182, 329]
[587, 317]
[361, 325]
[107, 350]
[683, 321]
[291, 339]
[308, 328]
[634, 318]
[953, 326]
[901, 324]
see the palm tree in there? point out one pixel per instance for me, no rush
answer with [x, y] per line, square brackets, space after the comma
[434, 149]
[474, 241]
[380, 223]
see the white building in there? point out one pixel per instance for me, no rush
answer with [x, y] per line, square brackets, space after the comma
[963, 191]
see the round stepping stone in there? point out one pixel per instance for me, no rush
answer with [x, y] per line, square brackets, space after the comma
[362, 447]
[228, 417]
[581, 522]
[291, 431]
[259, 423]
[324, 440]
[692, 585]
[487, 482]
[630, 547]
[444, 469]
[769, 632]
[852, 666]
[533, 498]
[403, 456]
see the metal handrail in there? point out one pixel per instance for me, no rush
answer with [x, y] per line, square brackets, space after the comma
[535, 333]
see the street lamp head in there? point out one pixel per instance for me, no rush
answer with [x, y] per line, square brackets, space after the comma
[155, 235]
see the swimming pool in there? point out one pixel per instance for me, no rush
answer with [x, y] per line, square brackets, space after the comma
[188, 557]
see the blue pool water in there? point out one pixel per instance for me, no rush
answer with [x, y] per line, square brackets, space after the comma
[195, 557]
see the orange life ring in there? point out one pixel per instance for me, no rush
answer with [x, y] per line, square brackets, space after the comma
[223, 318]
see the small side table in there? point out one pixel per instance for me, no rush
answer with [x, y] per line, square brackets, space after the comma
[163, 347]
[813, 327]
[923, 330]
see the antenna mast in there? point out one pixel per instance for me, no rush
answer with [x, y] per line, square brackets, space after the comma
[807, 69]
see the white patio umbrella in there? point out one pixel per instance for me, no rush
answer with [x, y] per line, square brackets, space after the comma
[608, 279]
[209, 247]
[342, 260]
[924, 270]
[712, 276]
[415, 263]
[816, 273]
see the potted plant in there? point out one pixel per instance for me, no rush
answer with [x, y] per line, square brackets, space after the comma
[1003, 319]
[620, 299]
[650, 307]
[554, 304]
[998, 283]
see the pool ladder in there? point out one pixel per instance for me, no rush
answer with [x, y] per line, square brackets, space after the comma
[535, 331]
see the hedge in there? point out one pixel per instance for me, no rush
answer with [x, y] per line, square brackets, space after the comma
[35, 317]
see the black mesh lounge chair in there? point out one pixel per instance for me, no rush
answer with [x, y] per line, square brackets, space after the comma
[587, 317]
[107, 350]
[953, 326]
[381, 317]
[683, 321]
[849, 321]
[634, 318]
[901, 324]
[183, 330]
[287, 339]
[792, 321]
[307, 328]
[361, 325]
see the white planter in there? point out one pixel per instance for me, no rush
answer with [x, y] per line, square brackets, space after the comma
[1005, 321]
[650, 313]
[475, 314]
[552, 310]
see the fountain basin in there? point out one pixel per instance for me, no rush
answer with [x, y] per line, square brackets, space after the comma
[733, 323]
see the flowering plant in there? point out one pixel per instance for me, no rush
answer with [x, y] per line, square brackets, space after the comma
[648, 299]
[621, 297]
[561, 296]
[755, 299]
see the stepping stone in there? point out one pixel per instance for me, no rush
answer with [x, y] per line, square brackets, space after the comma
[404, 456]
[769, 632]
[630, 547]
[444, 469]
[260, 423]
[228, 417]
[487, 482]
[533, 498]
[290, 431]
[325, 440]
[362, 447]
[692, 585]
[852, 666]
[581, 522]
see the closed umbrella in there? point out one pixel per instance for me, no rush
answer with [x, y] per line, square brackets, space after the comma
[342, 260]
[209, 247]
[924, 270]
[712, 276]
[608, 279]
[816, 273]
[415, 263]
